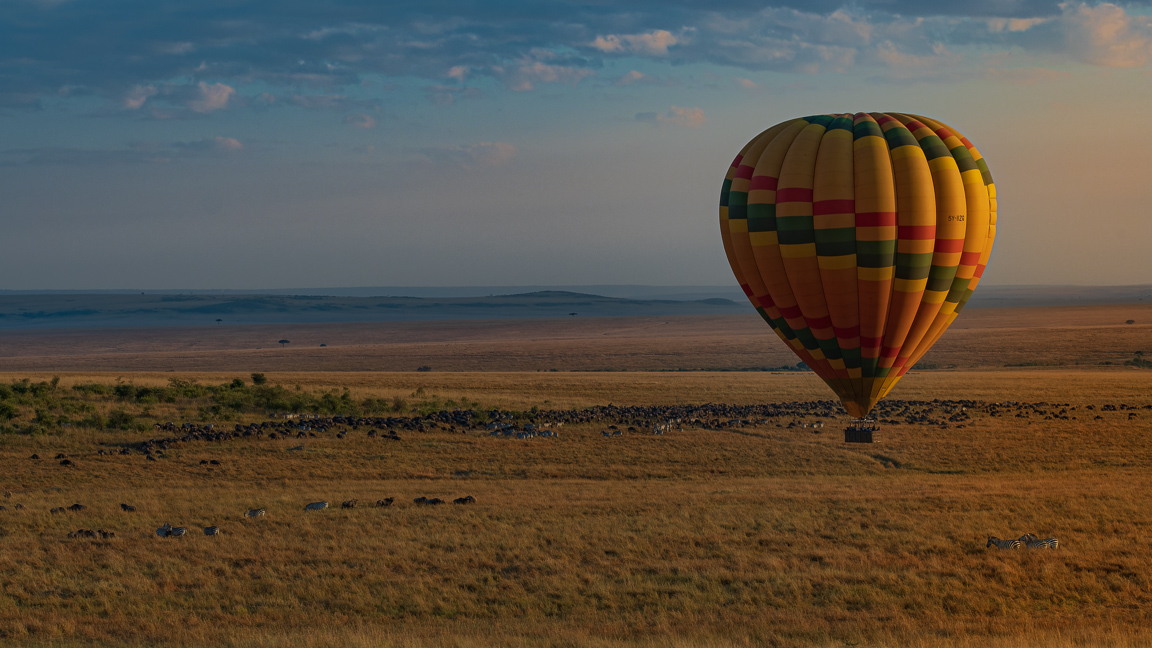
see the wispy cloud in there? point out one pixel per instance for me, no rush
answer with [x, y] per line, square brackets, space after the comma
[489, 154]
[134, 153]
[360, 120]
[676, 116]
[144, 55]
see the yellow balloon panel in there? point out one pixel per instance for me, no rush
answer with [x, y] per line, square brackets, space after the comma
[859, 238]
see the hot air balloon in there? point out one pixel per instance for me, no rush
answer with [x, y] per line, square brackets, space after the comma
[859, 239]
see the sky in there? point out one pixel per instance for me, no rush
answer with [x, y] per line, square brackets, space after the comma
[251, 144]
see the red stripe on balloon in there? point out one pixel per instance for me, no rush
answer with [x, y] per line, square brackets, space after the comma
[949, 245]
[847, 333]
[791, 312]
[819, 322]
[747, 290]
[821, 207]
[744, 172]
[889, 352]
[762, 183]
[917, 232]
[969, 258]
[794, 194]
[869, 342]
[875, 219]
[736, 162]
[766, 301]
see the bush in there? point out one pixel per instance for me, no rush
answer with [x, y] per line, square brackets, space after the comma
[259, 379]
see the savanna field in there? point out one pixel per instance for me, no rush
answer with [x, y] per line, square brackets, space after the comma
[741, 525]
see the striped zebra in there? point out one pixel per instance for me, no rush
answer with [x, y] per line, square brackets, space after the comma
[212, 530]
[993, 541]
[1031, 541]
[176, 532]
[255, 513]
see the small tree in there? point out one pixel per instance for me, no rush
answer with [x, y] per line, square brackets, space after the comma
[283, 342]
[218, 320]
[259, 379]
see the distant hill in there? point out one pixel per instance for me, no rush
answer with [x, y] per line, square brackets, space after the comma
[62, 310]
[105, 309]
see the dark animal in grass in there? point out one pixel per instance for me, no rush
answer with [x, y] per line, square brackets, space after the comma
[467, 499]
[67, 462]
[387, 501]
[77, 507]
[127, 508]
[349, 504]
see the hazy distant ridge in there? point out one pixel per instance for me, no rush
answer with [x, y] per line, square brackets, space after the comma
[145, 310]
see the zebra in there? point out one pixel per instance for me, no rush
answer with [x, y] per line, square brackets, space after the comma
[993, 541]
[164, 530]
[254, 513]
[212, 530]
[316, 506]
[176, 532]
[1032, 542]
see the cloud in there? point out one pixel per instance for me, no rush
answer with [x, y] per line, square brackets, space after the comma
[656, 42]
[142, 152]
[747, 84]
[489, 154]
[210, 97]
[527, 73]
[360, 120]
[676, 116]
[1107, 36]
[136, 97]
[629, 78]
[446, 95]
[202, 62]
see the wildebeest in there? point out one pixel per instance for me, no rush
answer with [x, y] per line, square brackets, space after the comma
[467, 499]
[67, 462]
[128, 508]
[349, 504]
[387, 501]
[254, 513]
[77, 507]
[316, 506]
[35, 456]
[212, 530]
[420, 500]
[57, 509]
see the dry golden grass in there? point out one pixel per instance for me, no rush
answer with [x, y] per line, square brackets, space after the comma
[755, 536]
[981, 338]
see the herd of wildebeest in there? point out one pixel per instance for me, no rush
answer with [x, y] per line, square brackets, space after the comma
[614, 421]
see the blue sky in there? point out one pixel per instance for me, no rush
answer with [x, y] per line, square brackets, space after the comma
[264, 144]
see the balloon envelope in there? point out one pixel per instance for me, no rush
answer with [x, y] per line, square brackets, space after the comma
[859, 238]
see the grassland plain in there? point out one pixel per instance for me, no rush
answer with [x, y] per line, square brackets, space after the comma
[985, 338]
[752, 536]
[759, 535]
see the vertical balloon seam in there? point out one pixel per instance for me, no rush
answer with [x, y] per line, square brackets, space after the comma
[765, 245]
[749, 279]
[833, 230]
[796, 239]
[875, 235]
[726, 236]
[951, 220]
[977, 212]
[916, 225]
